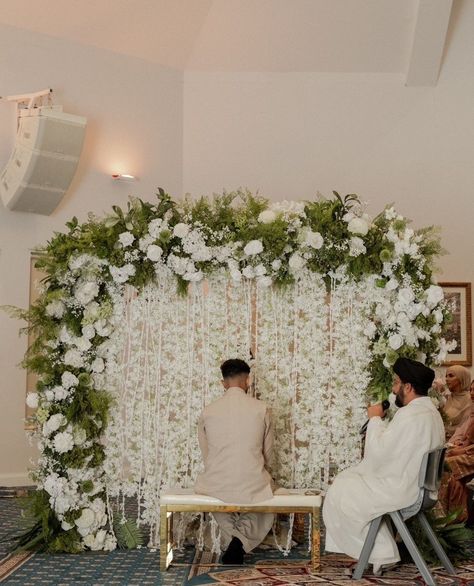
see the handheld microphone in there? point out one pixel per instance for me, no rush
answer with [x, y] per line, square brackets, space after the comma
[385, 406]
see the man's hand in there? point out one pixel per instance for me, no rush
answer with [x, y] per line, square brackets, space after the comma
[375, 411]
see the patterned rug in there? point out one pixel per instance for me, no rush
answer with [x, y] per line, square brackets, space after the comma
[263, 567]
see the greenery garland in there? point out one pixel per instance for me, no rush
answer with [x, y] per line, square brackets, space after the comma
[242, 233]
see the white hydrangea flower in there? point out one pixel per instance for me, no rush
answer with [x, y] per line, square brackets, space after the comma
[154, 252]
[181, 230]
[145, 241]
[32, 400]
[69, 380]
[392, 284]
[253, 247]
[55, 309]
[267, 216]
[63, 442]
[390, 213]
[91, 311]
[288, 208]
[126, 239]
[156, 227]
[122, 274]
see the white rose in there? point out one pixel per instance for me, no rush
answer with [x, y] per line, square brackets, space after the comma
[248, 272]
[73, 358]
[235, 275]
[395, 341]
[253, 247]
[60, 393]
[358, 226]
[154, 252]
[69, 380]
[276, 264]
[86, 291]
[32, 400]
[406, 296]
[296, 262]
[54, 423]
[56, 309]
[267, 217]
[63, 442]
[88, 332]
[181, 230]
[98, 365]
[86, 519]
[314, 239]
[126, 239]
[83, 344]
[260, 270]
[434, 295]
[66, 526]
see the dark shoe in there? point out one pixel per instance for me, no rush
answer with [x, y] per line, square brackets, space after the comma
[234, 554]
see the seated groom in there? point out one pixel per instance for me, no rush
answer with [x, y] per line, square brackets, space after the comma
[236, 441]
[387, 477]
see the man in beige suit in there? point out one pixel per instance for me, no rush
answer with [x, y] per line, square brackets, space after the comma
[236, 441]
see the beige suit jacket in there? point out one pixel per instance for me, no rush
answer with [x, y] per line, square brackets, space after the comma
[236, 440]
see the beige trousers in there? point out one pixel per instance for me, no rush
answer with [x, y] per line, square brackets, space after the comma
[250, 528]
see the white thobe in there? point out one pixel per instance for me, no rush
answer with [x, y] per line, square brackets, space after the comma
[386, 480]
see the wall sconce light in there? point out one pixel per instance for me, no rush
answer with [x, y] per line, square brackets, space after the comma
[123, 177]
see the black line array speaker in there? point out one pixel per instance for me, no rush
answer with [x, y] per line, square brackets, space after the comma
[44, 160]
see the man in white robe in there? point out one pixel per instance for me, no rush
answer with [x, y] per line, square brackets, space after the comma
[387, 477]
[236, 441]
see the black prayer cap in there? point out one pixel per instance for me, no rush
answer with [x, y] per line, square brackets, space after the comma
[418, 375]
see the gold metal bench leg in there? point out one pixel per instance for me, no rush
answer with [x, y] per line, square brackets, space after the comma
[163, 538]
[316, 540]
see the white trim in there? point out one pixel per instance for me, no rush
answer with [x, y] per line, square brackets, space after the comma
[16, 479]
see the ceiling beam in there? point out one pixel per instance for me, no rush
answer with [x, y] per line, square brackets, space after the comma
[428, 42]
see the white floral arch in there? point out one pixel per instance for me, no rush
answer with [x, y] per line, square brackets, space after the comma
[324, 297]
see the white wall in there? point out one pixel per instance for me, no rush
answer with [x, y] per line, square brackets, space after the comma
[290, 135]
[134, 112]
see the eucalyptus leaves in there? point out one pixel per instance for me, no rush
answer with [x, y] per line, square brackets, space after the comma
[248, 238]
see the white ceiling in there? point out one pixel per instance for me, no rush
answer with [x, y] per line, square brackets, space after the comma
[245, 35]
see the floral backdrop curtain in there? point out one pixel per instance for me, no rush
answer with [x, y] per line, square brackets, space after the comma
[310, 351]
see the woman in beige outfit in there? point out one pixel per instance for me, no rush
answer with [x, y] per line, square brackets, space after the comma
[458, 403]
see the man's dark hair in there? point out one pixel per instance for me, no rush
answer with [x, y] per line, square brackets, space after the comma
[234, 367]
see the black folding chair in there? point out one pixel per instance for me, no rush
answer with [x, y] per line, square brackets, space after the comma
[428, 481]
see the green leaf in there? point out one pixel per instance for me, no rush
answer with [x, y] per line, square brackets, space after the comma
[128, 534]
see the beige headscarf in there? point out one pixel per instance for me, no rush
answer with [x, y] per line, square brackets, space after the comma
[462, 374]
[458, 406]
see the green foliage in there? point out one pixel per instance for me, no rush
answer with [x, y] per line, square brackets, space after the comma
[128, 534]
[454, 537]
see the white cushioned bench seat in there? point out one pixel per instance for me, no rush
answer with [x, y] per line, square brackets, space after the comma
[180, 500]
[282, 497]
